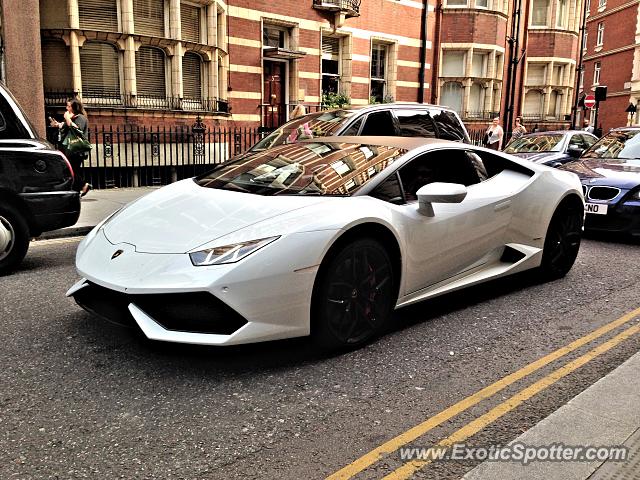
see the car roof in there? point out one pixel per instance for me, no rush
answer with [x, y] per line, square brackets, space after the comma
[396, 105]
[408, 143]
[555, 132]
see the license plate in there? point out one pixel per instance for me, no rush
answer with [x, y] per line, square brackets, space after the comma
[596, 208]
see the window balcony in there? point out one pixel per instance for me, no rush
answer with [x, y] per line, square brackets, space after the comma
[350, 8]
[94, 98]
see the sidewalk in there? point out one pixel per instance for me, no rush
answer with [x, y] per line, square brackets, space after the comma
[95, 206]
[605, 414]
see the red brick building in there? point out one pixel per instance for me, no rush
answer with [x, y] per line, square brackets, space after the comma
[612, 58]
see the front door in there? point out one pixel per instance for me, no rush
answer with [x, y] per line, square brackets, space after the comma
[274, 108]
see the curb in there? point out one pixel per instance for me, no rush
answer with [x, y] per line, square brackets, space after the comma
[65, 232]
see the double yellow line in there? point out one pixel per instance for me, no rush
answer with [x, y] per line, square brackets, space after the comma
[481, 422]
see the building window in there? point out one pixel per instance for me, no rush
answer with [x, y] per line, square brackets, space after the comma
[479, 65]
[540, 13]
[100, 70]
[452, 93]
[482, 3]
[600, 37]
[558, 75]
[562, 14]
[274, 37]
[453, 63]
[98, 15]
[602, 3]
[192, 71]
[190, 22]
[379, 71]
[596, 73]
[330, 65]
[533, 104]
[457, 3]
[499, 66]
[582, 79]
[536, 74]
[588, 7]
[584, 41]
[554, 104]
[148, 16]
[150, 73]
[56, 65]
[476, 100]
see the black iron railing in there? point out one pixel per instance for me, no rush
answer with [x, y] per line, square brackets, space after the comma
[349, 6]
[479, 115]
[106, 98]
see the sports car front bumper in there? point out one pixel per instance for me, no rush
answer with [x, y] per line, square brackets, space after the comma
[265, 296]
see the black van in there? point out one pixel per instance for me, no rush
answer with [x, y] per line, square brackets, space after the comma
[35, 185]
[387, 119]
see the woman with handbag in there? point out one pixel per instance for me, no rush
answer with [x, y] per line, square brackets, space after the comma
[73, 133]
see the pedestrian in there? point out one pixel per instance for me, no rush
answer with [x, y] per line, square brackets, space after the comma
[75, 116]
[299, 111]
[535, 128]
[587, 126]
[493, 135]
[519, 129]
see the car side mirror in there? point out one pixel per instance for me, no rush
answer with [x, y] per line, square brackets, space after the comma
[439, 193]
[575, 151]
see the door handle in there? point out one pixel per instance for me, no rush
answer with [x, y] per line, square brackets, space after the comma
[502, 206]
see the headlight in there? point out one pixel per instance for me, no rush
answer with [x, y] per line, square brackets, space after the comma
[228, 253]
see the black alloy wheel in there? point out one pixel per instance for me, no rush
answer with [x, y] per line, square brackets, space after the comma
[14, 238]
[562, 243]
[355, 295]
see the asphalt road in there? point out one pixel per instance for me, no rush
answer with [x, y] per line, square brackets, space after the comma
[80, 398]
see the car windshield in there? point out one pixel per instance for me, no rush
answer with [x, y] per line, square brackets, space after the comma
[320, 124]
[304, 169]
[535, 144]
[623, 144]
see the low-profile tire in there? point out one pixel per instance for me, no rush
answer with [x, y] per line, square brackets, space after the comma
[14, 238]
[562, 243]
[354, 295]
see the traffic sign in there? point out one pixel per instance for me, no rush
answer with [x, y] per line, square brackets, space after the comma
[590, 101]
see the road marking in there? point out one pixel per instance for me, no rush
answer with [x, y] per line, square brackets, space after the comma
[55, 241]
[408, 469]
[410, 435]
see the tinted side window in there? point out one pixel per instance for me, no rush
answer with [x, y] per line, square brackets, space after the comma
[389, 190]
[576, 140]
[448, 125]
[10, 126]
[354, 128]
[449, 166]
[588, 141]
[416, 123]
[379, 124]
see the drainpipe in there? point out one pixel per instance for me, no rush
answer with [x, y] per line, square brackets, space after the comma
[514, 41]
[435, 68]
[423, 49]
[583, 27]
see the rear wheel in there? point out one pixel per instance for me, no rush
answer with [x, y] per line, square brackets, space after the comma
[14, 238]
[562, 243]
[355, 295]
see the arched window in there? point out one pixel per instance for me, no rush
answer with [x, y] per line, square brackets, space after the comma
[56, 66]
[100, 71]
[554, 104]
[150, 73]
[476, 100]
[452, 93]
[533, 104]
[192, 75]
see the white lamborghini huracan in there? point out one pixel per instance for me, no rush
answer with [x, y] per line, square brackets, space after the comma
[325, 237]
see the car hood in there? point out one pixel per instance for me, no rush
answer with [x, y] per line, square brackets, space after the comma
[619, 173]
[542, 157]
[183, 216]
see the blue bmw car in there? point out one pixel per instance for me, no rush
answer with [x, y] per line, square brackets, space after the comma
[610, 175]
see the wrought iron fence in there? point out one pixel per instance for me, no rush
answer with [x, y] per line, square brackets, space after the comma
[138, 156]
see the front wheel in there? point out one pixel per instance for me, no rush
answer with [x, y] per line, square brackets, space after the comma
[562, 243]
[14, 238]
[354, 295]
